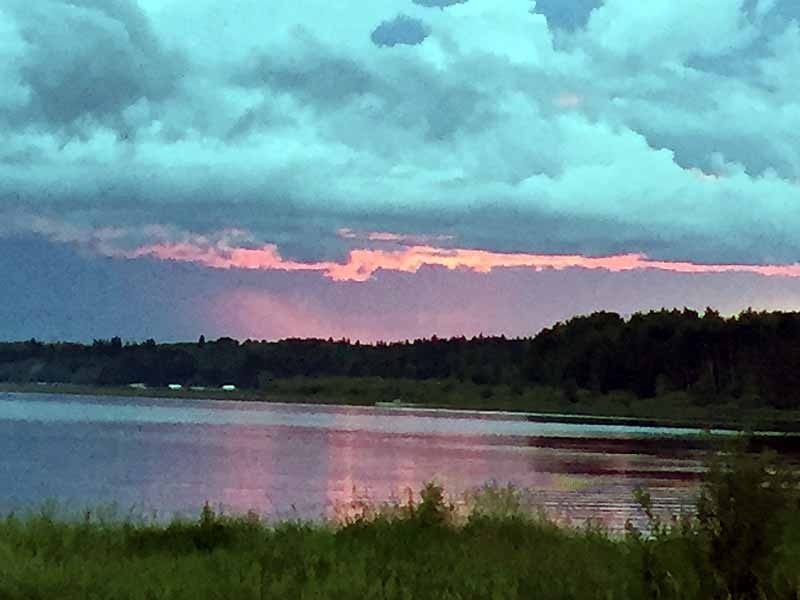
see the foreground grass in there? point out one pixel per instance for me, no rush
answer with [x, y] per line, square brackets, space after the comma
[743, 543]
[674, 409]
[234, 558]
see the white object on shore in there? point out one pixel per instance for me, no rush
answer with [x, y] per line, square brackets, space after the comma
[137, 386]
[396, 403]
[228, 387]
[175, 386]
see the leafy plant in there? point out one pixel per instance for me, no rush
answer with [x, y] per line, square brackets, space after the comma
[741, 510]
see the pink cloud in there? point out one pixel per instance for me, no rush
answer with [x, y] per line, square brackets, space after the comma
[362, 263]
[234, 248]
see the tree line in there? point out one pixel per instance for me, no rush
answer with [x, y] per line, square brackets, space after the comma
[752, 357]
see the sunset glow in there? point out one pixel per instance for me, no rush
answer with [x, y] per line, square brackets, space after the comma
[363, 263]
[371, 154]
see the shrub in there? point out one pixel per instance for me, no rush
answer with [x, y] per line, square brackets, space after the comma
[433, 510]
[740, 512]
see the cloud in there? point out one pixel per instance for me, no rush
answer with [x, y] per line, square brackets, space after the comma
[568, 15]
[784, 10]
[310, 71]
[403, 30]
[386, 236]
[379, 251]
[72, 295]
[506, 131]
[669, 31]
[363, 263]
[89, 60]
[442, 4]
[14, 93]
[567, 99]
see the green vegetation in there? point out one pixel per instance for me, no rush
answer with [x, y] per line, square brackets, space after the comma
[674, 365]
[743, 543]
[673, 409]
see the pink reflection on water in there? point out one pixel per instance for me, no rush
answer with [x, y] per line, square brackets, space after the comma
[308, 472]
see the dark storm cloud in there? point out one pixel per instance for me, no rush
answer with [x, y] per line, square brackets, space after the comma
[322, 78]
[782, 9]
[252, 120]
[308, 69]
[771, 18]
[738, 149]
[568, 15]
[292, 125]
[400, 30]
[90, 58]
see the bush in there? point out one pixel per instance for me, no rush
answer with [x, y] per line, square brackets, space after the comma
[736, 540]
[741, 510]
[433, 510]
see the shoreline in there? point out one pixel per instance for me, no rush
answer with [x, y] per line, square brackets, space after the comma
[764, 427]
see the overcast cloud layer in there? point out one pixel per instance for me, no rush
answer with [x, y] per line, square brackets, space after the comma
[186, 129]
[665, 128]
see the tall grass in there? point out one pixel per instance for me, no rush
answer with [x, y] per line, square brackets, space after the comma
[743, 542]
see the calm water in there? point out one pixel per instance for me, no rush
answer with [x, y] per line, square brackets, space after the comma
[170, 456]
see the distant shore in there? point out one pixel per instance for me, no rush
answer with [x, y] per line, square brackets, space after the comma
[581, 413]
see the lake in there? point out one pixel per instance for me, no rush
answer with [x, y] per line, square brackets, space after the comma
[162, 457]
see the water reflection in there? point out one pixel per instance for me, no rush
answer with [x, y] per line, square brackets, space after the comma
[301, 461]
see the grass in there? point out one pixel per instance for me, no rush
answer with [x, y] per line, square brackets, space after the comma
[743, 543]
[673, 409]
[234, 558]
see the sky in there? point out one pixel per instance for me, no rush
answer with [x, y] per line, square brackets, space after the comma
[392, 169]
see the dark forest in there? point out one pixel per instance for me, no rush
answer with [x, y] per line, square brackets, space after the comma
[754, 356]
